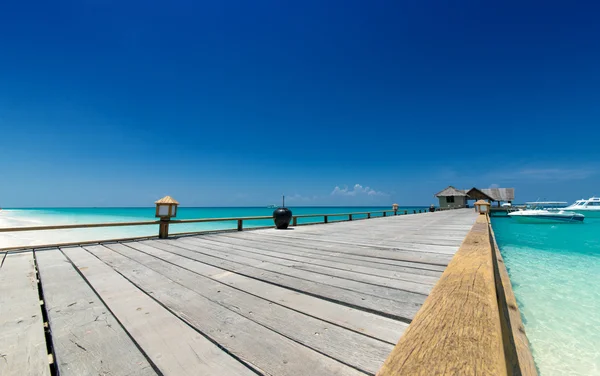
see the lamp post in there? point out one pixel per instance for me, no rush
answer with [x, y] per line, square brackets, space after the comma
[166, 208]
[395, 207]
[482, 207]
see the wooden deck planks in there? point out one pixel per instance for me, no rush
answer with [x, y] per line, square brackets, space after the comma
[22, 343]
[394, 303]
[400, 280]
[343, 259]
[174, 347]
[370, 303]
[361, 352]
[353, 248]
[329, 299]
[372, 325]
[266, 350]
[397, 272]
[402, 291]
[87, 338]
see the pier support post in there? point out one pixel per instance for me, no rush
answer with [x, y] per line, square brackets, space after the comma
[405, 212]
[240, 225]
[163, 229]
[349, 217]
[295, 221]
[325, 219]
[385, 214]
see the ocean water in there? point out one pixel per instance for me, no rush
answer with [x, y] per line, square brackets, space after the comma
[60, 216]
[555, 273]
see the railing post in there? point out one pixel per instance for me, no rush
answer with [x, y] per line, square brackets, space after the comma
[414, 212]
[295, 221]
[405, 212]
[163, 228]
[240, 225]
[349, 217]
[325, 219]
[395, 211]
[384, 213]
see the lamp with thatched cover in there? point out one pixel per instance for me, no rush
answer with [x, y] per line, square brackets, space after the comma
[166, 208]
[482, 207]
[395, 207]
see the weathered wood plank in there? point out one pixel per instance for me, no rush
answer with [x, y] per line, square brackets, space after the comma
[403, 311]
[458, 329]
[22, 340]
[356, 320]
[364, 250]
[322, 246]
[412, 292]
[174, 347]
[400, 280]
[87, 338]
[265, 349]
[355, 349]
[341, 260]
[429, 250]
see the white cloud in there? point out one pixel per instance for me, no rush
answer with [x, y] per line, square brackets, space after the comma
[357, 191]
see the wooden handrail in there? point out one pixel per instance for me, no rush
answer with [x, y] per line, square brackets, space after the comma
[173, 221]
[86, 225]
[165, 224]
[461, 329]
[519, 359]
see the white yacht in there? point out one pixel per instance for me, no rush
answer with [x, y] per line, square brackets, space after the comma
[589, 207]
[538, 212]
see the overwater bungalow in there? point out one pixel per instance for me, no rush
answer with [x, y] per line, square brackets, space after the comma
[459, 198]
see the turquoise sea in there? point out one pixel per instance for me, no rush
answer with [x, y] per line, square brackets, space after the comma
[55, 216]
[555, 273]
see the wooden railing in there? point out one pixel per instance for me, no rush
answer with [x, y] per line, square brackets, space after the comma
[470, 323]
[326, 218]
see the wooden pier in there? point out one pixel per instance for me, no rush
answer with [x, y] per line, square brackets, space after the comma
[331, 299]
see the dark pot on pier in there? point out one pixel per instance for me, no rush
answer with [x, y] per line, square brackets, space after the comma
[282, 218]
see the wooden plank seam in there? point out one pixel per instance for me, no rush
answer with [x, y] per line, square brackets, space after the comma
[45, 320]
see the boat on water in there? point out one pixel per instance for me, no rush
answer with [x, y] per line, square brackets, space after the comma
[589, 207]
[546, 212]
[272, 207]
[546, 216]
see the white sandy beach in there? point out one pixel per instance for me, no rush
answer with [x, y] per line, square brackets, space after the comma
[18, 218]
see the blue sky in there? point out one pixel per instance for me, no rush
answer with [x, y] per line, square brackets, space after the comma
[117, 103]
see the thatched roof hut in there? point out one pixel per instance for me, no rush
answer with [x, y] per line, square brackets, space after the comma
[452, 197]
[451, 192]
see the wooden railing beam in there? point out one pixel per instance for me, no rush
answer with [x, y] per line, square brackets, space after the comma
[462, 328]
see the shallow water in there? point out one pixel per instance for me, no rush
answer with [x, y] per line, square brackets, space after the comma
[61, 216]
[555, 273]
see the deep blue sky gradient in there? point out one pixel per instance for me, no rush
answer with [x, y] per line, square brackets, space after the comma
[117, 103]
